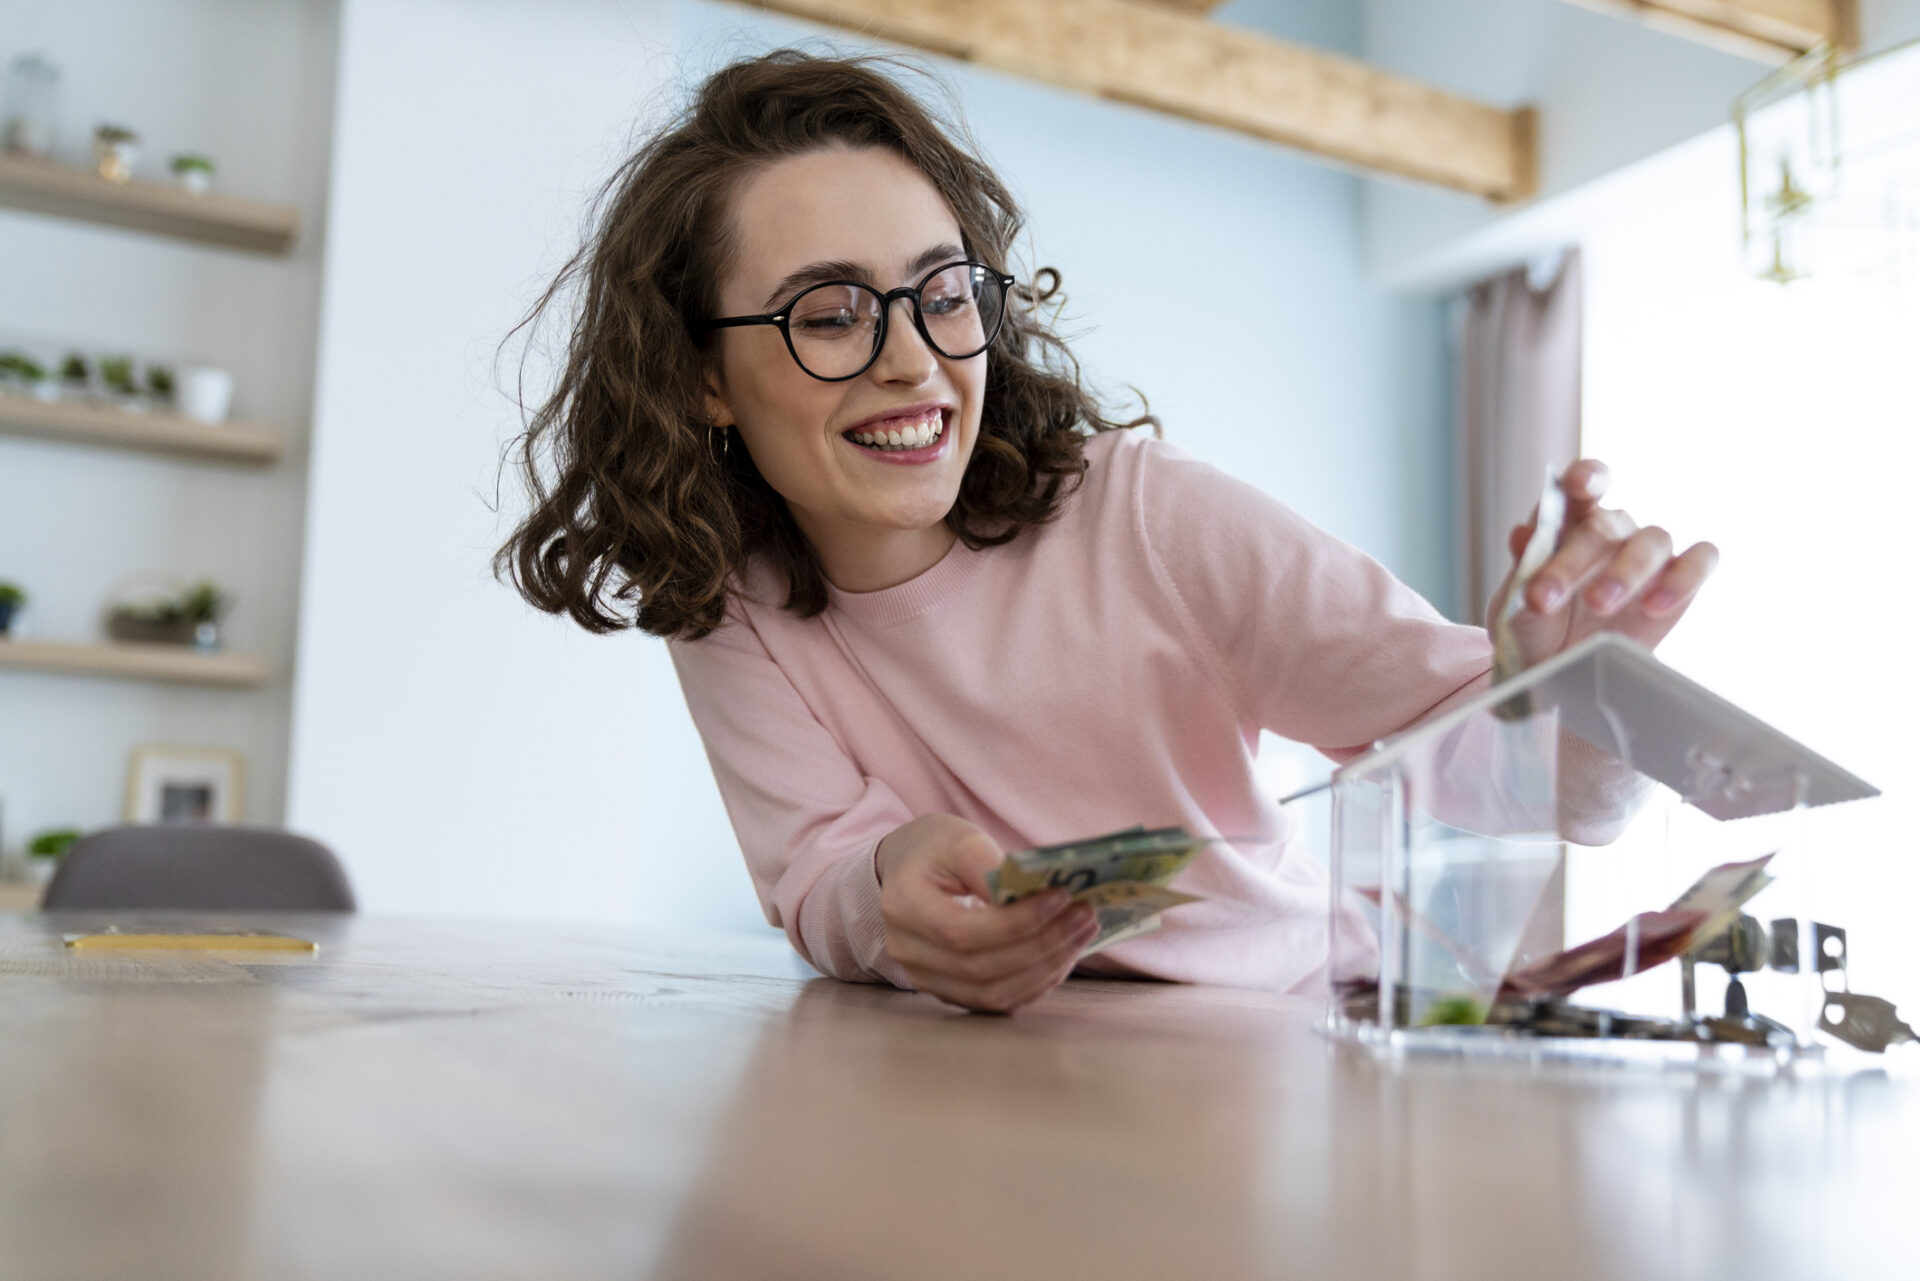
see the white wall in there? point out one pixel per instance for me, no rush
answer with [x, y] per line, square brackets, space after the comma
[468, 756]
[1609, 91]
[250, 84]
[465, 754]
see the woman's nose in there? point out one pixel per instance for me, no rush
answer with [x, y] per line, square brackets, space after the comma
[905, 356]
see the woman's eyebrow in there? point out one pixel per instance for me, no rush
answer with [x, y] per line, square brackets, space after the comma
[815, 273]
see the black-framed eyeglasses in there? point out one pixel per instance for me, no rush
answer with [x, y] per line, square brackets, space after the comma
[836, 330]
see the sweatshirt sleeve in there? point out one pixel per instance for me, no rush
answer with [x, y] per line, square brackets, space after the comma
[808, 822]
[1315, 638]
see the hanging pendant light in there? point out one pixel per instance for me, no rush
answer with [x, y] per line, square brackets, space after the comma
[1823, 198]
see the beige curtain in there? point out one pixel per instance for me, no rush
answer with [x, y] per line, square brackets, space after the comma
[1519, 414]
[1519, 409]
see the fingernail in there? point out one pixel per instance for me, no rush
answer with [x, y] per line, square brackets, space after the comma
[1607, 595]
[1057, 902]
[1548, 593]
[1660, 602]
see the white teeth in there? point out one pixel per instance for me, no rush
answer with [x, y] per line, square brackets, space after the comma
[917, 436]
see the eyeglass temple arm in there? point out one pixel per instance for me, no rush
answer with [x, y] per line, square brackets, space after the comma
[733, 322]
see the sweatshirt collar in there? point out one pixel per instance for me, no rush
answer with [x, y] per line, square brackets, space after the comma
[905, 601]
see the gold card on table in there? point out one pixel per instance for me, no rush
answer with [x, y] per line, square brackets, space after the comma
[194, 941]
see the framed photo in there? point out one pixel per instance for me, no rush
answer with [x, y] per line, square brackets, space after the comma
[185, 785]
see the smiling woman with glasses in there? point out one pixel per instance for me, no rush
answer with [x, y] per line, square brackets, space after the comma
[927, 601]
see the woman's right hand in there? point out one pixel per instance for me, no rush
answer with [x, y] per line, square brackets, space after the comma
[952, 939]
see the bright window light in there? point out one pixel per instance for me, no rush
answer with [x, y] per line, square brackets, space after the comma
[1783, 424]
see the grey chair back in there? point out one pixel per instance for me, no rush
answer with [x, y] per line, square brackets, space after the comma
[198, 866]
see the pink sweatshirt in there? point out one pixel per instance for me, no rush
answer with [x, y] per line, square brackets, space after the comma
[1114, 667]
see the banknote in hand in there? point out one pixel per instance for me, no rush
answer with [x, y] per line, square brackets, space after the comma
[1508, 662]
[1125, 875]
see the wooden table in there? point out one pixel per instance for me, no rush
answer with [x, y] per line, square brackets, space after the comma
[425, 1099]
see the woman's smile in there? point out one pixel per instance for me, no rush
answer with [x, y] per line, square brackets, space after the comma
[918, 437]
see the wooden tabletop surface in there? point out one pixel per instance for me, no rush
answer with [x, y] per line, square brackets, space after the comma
[433, 1099]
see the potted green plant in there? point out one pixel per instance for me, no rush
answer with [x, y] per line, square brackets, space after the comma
[29, 375]
[76, 378]
[52, 843]
[187, 616]
[160, 383]
[12, 597]
[116, 375]
[203, 605]
[193, 171]
[47, 848]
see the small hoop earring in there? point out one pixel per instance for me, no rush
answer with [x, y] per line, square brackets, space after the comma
[726, 442]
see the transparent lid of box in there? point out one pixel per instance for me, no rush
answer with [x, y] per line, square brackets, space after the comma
[1597, 858]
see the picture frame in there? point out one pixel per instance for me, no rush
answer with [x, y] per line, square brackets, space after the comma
[168, 783]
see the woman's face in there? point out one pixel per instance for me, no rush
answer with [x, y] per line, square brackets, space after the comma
[866, 214]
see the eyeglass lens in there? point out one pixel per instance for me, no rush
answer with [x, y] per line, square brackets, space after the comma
[834, 327]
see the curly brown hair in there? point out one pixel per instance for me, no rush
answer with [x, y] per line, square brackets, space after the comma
[631, 504]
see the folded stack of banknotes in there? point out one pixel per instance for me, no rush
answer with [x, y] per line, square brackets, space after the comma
[1704, 912]
[1125, 875]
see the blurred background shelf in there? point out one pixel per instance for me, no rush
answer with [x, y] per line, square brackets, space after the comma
[165, 433]
[160, 208]
[136, 662]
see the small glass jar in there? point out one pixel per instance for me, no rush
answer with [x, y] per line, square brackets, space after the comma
[32, 107]
[116, 150]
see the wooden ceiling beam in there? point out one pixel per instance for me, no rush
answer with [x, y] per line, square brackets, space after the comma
[1151, 55]
[1775, 31]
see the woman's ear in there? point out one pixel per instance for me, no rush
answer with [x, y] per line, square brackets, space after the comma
[713, 400]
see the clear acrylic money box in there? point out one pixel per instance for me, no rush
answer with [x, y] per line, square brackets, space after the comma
[1598, 858]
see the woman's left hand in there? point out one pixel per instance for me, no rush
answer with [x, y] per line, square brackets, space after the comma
[1608, 574]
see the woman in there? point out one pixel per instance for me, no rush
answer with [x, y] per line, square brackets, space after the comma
[927, 602]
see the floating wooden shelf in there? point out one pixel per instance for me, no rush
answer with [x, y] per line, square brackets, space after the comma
[161, 208]
[135, 662]
[166, 433]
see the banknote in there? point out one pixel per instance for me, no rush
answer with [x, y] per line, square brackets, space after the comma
[1125, 909]
[1508, 662]
[1719, 894]
[1650, 939]
[1124, 875]
[1136, 854]
[1127, 841]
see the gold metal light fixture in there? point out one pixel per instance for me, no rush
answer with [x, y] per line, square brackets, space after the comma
[1819, 199]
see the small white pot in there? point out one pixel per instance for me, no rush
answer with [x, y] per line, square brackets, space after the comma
[203, 393]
